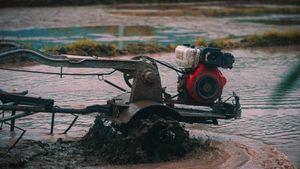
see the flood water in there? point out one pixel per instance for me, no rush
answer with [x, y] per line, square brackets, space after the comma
[254, 76]
[114, 34]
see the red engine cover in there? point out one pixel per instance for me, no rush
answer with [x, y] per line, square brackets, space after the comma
[205, 85]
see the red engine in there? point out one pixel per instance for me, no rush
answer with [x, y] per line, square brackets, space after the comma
[205, 85]
[203, 82]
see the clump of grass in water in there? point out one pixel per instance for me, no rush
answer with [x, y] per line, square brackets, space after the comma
[201, 42]
[16, 58]
[211, 12]
[147, 48]
[90, 47]
[266, 39]
[218, 43]
[86, 47]
[273, 38]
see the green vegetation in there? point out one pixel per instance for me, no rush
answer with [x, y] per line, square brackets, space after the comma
[90, 47]
[147, 48]
[281, 21]
[266, 39]
[273, 38]
[85, 47]
[15, 59]
[208, 11]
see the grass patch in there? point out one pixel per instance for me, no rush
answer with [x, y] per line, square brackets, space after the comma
[273, 38]
[15, 58]
[266, 39]
[211, 11]
[86, 47]
[90, 47]
[283, 21]
[147, 48]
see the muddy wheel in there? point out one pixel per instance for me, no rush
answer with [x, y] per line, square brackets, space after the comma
[142, 140]
[162, 138]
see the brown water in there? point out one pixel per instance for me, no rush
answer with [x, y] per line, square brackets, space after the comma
[253, 77]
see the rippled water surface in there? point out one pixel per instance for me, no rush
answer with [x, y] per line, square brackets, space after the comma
[119, 35]
[254, 76]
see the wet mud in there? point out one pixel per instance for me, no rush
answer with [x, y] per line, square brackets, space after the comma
[155, 143]
[149, 140]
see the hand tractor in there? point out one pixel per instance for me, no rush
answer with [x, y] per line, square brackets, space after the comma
[200, 85]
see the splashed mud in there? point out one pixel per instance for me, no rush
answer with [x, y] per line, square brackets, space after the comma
[106, 147]
[148, 140]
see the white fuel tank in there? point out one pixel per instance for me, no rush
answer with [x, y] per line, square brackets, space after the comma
[187, 57]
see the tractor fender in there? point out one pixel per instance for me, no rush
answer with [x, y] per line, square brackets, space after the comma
[142, 109]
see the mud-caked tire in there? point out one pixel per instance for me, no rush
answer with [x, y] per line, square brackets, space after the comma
[142, 140]
[162, 138]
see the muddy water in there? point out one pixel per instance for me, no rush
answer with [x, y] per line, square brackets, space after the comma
[118, 35]
[253, 77]
[60, 25]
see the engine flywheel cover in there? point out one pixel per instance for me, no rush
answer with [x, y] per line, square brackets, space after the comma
[205, 85]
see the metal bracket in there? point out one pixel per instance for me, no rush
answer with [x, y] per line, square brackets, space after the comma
[71, 125]
[19, 138]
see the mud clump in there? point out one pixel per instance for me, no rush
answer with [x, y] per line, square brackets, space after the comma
[24, 152]
[7, 160]
[148, 140]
